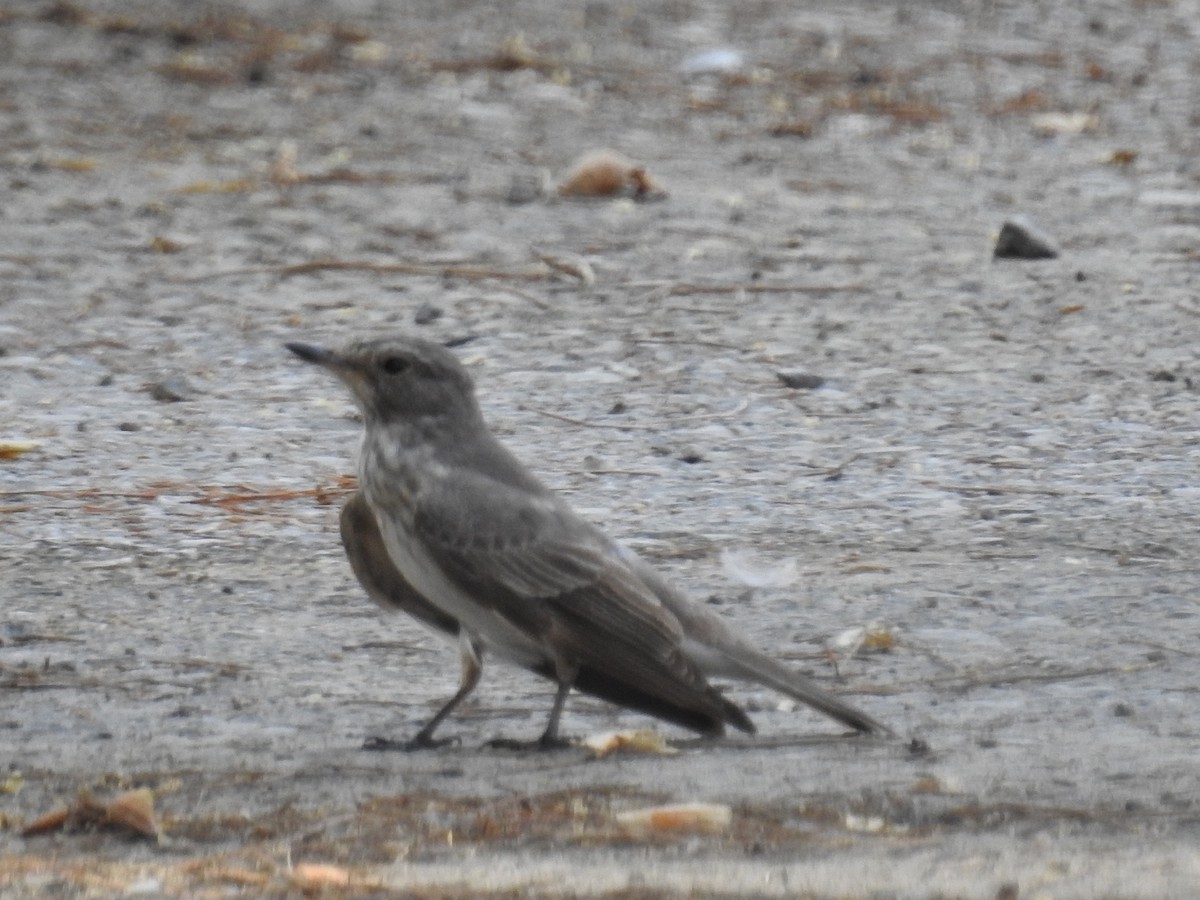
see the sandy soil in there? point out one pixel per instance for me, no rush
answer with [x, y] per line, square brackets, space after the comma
[999, 473]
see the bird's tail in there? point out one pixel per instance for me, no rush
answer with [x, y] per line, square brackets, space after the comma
[720, 650]
[753, 666]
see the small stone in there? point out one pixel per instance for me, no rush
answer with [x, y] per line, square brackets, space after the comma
[1122, 710]
[526, 187]
[427, 313]
[802, 381]
[171, 390]
[129, 426]
[1021, 239]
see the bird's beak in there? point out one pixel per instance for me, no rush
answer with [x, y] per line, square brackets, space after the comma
[309, 353]
[348, 369]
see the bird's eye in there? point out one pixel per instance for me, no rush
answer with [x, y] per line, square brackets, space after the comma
[394, 365]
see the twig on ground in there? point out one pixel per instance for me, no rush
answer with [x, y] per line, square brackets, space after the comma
[470, 273]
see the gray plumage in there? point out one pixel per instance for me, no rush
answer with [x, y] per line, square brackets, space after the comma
[449, 527]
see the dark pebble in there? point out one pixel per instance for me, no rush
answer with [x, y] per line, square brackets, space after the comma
[919, 747]
[129, 426]
[170, 390]
[426, 313]
[802, 381]
[1021, 239]
[525, 187]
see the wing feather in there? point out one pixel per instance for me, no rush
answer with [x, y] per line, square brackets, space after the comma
[560, 580]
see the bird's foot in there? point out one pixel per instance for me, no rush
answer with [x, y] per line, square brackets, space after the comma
[420, 742]
[543, 743]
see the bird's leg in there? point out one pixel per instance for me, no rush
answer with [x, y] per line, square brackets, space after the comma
[550, 739]
[472, 669]
[565, 675]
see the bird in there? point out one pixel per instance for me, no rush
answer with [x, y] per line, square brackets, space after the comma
[449, 526]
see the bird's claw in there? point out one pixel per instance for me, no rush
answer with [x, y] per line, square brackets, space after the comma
[420, 742]
[541, 744]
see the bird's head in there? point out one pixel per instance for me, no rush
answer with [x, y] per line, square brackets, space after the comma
[399, 379]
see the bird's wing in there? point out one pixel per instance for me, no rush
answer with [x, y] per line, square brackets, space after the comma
[559, 580]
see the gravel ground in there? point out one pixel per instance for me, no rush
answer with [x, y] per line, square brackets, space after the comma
[996, 480]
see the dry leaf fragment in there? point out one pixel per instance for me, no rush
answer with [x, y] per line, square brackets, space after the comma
[369, 51]
[243, 877]
[133, 810]
[13, 449]
[51, 821]
[77, 164]
[1029, 101]
[316, 876]
[642, 740]
[194, 69]
[606, 173]
[236, 186]
[801, 128]
[575, 266]
[1055, 123]
[868, 824]
[283, 172]
[879, 638]
[515, 53]
[874, 637]
[165, 245]
[679, 817]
